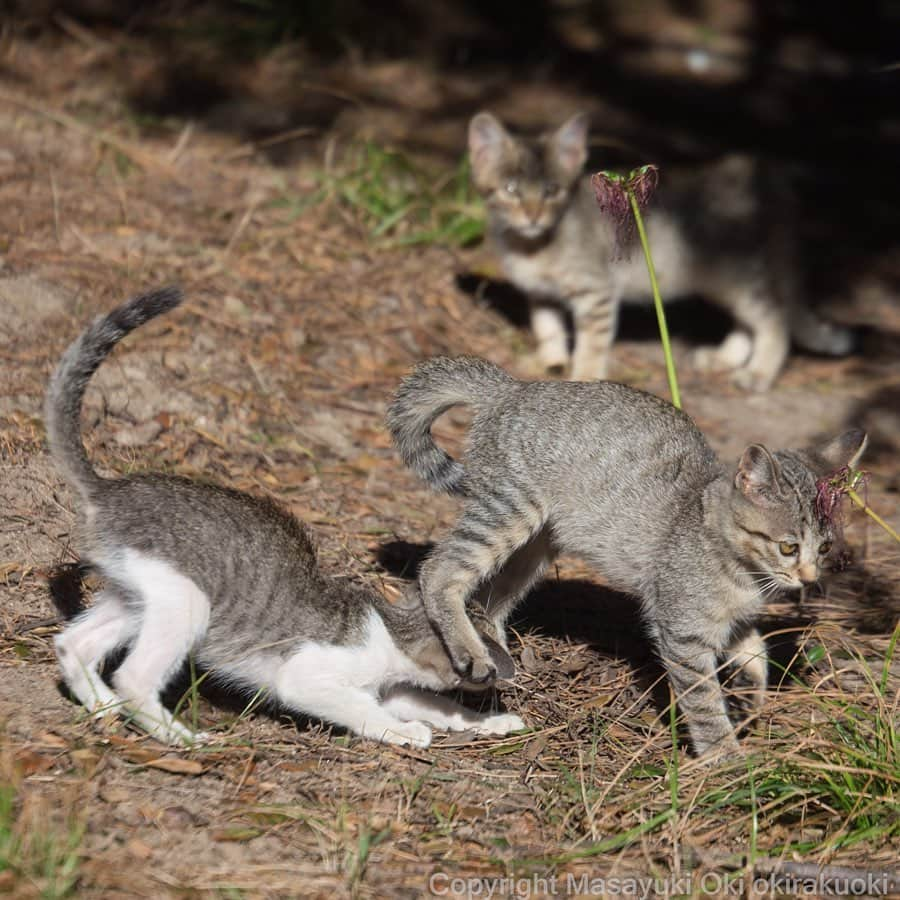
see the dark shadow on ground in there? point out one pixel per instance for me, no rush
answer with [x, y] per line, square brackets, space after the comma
[694, 320]
[609, 621]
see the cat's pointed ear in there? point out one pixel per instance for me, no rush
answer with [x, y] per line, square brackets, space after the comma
[757, 476]
[489, 142]
[844, 450]
[570, 148]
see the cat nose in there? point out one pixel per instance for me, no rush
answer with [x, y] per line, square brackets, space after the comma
[533, 210]
[808, 574]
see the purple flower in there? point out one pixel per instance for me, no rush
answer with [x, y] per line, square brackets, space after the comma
[830, 490]
[612, 192]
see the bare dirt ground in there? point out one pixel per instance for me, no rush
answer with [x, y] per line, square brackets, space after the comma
[274, 377]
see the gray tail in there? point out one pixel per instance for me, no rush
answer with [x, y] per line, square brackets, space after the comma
[62, 410]
[434, 387]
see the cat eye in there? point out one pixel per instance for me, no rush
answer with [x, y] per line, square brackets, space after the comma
[825, 547]
[512, 187]
[788, 549]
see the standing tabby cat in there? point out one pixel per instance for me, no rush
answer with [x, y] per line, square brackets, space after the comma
[718, 231]
[198, 569]
[626, 481]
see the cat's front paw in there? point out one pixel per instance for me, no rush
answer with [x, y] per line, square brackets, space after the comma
[408, 734]
[175, 734]
[500, 724]
[732, 353]
[474, 666]
[710, 753]
[753, 379]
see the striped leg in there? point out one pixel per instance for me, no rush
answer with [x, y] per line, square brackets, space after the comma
[693, 673]
[595, 316]
[748, 657]
[489, 532]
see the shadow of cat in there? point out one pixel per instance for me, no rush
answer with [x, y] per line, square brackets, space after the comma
[585, 612]
[690, 318]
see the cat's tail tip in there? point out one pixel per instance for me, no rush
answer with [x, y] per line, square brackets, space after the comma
[71, 376]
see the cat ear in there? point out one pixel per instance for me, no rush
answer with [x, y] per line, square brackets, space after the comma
[844, 450]
[569, 143]
[757, 475]
[488, 143]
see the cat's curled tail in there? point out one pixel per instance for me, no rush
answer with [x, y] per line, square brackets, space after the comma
[62, 410]
[432, 388]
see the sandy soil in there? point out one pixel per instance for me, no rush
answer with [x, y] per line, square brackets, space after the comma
[274, 378]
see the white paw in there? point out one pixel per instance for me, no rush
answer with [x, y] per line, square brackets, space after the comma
[841, 341]
[503, 723]
[749, 379]
[175, 734]
[102, 711]
[731, 354]
[409, 734]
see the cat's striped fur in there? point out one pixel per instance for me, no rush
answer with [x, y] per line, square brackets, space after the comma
[626, 481]
[723, 230]
[193, 568]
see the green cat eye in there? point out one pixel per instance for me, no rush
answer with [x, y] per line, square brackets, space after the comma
[788, 549]
[825, 547]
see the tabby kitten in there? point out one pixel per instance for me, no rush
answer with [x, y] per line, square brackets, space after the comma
[719, 230]
[231, 579]
[626, 481]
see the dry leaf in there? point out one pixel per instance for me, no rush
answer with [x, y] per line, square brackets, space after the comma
[529, 661]
[139, 755]
[49, 739]
[28, 762]
[236, 834]
[306, 765]
[86, 758]
[138, 849]
[574, 664]
[115, 794]
[177, 765]
[598, 701]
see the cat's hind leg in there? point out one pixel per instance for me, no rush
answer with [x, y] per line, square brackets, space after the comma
[410, 703]
[731, 354]
[490, 530]
[327, 683]
[175, 615]
[760, 313]
[818, 335]
[84, 645]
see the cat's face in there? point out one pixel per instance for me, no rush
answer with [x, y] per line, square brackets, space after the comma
[774, 504]
[526, 185]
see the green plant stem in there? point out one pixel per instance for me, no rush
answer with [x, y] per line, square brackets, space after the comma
[872, 514]
[657, 302]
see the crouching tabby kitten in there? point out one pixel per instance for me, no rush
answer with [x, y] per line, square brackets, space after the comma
[195, 568]
[627, 482]
[719, 230]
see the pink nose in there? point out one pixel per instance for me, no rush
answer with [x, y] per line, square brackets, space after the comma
[807, 573]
